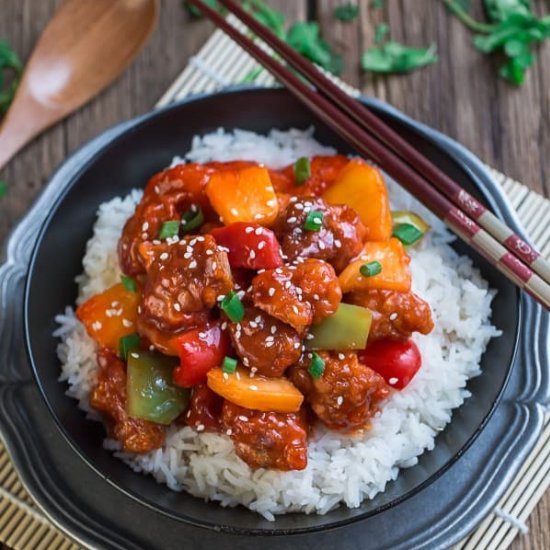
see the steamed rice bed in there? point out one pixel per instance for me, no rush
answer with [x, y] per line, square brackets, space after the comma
[341, 469]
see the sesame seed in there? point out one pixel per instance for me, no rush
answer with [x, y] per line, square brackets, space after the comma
[151, 348]
[177, 307]
[273, 329]
[254, 370]
[139, 309]
[187, 255]
[278, 270]
[164, 256]
[271, 202]
[144, 236]
[269, 344]
[243, 418]
[261, 245]
[337, 243]
[322, 245]
[292, 219]
[253, 387]
[229, 431]
[271, 291]
[393, 316]
[200, 239]
[220, 297]
[209, 252]
[193, 264]
[269, 339]
[224, 325]
[341, 356]
[157, 189]
[252, 254]
[258, 216]
[240, 294]
[127, 323]
[297, 345]
[200, 428]
[156, 241]
[246, 362]
[299, 206]
[96, 325]
[193, 242]
[226, 376]
[339, 400]
[293, 199]
[393, 381]
[135, 355]
[310, 337]
[249, 229]
[234, 211]
[188, 414]
[202, 334]
[316, 296]
[295, 309]
[288, 284]
[214, 266]
[259, 230]
[253, 324]
[145, 226]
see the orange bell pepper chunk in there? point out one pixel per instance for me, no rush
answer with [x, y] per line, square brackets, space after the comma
[395, 274]
[259, 393]
[361, 186]
[243, 195]
[110, 315]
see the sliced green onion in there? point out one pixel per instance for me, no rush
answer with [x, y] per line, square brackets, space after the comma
[302, 170]
[317, 366]
[229, 365]
[233, 307]
[314, 221]
[128, 343]
[192, 219]
[169, 229]
[407, 233]
[370, 269]
[128, 283]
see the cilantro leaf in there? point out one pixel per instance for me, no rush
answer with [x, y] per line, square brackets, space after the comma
[346, 12]
[9, 62]
[393, 57]
[305, 38]
[196, 13]
[380, 32]
[499, 10]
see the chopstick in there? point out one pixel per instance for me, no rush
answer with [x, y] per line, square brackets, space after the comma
[331, 113]
[375, 125]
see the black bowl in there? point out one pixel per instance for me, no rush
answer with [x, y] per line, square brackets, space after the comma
[126, 162]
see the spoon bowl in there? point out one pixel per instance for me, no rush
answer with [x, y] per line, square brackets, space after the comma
[83, 49]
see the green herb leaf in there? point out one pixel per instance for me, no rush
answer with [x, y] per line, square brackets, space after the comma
[9, 62]
[266, 15]
[252, 75]
[346, 12]
[129, 283]
[380, 32]
[192, 219]
[393, 57]
[500, 10]
[197, 14]
[305, 38]
[3, 189]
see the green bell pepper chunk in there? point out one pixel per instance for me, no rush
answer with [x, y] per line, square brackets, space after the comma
[347, 329]
[151, 394]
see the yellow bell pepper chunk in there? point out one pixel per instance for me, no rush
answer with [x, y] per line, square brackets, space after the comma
[395, 273]
[244, 195]
[361, 186]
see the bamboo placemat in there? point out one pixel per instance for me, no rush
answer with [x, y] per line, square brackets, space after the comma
[219, 64]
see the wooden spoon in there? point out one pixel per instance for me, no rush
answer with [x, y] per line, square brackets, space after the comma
[83, 49]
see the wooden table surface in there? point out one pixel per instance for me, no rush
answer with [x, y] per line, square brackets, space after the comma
[461, 95]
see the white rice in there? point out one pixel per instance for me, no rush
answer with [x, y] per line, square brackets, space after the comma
[341, 469]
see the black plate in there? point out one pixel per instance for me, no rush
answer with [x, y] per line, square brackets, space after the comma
[122, 159]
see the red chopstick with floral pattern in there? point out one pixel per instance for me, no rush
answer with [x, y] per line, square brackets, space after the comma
[472, 222]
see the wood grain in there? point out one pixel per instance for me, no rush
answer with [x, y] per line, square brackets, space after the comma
[461, 95]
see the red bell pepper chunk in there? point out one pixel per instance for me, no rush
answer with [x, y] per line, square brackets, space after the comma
[205, 409]
[396, 361]
[250, 245]
[200, 350]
